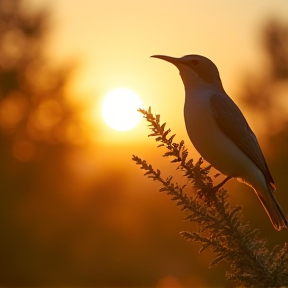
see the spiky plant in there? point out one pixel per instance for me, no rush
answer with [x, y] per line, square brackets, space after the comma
[221, 228]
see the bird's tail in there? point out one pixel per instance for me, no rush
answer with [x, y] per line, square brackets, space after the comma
[273, 209]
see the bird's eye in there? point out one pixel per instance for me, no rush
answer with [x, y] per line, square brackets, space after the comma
[194, 63]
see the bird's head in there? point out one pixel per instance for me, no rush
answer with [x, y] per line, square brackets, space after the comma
[195, 70]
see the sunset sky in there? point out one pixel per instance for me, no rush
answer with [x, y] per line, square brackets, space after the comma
[113, 39]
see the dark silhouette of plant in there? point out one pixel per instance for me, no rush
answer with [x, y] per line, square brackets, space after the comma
[220, 225]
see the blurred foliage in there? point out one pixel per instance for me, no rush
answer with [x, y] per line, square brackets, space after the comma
[265, 95]
[38, 129]
[267, 92]
[33, 109]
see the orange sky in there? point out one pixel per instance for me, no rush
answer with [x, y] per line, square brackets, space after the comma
[113, 39]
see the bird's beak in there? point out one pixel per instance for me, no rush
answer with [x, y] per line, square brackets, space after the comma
[172, 60]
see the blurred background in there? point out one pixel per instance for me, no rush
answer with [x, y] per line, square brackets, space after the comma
[74, 209]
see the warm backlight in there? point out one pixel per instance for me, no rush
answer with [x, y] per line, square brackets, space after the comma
[119, 109]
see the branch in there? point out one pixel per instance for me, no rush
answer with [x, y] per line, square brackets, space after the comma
[221, 228]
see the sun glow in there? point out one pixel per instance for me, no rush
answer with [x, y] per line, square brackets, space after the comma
[119, 109]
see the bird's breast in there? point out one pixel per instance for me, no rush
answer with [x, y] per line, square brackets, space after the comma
[198, 116]
[211, 143]
[199, 120]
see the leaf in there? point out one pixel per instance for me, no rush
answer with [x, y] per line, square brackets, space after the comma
[147, 173]
[171, 138]
[217, 260]
[162, 127]
[204, 247]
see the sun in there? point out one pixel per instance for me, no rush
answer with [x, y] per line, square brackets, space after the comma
[119, 109]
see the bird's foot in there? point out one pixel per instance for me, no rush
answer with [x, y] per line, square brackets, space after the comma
[207, 194]
[217, 187]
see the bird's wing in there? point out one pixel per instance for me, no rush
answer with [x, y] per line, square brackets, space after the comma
[234, 125]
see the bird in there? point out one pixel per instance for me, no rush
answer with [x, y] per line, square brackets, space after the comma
[220, 133]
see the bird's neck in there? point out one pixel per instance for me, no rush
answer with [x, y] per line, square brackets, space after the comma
[200, 87]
